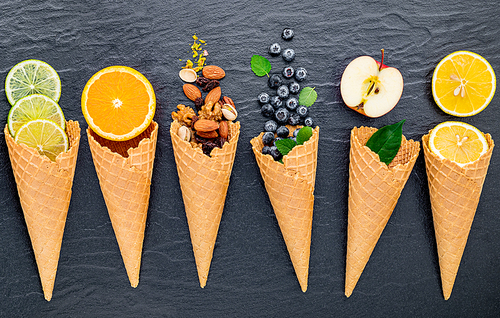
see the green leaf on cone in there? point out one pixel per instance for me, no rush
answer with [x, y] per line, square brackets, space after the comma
[386, 141]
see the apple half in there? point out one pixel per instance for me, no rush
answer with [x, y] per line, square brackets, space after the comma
[370, 87]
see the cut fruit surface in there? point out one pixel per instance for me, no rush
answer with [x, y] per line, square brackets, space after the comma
[459, 142]
[463, 84]
[47, 137]
[32, 77]
[33, 107]
[118, 103]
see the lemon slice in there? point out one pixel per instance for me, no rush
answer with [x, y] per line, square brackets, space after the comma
[45, 136]
[32, 77]
[32, 107]
[463, 84]
[459, 142]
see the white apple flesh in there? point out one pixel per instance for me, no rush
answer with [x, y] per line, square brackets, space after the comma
[370, 89]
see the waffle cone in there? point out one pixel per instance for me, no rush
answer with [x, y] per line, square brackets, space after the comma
[44, 189]
[124, 169]
[454, 193]
[204, 181]
[290, 187]
[374, 189]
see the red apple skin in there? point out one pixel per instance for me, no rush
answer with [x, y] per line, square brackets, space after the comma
[383, 65]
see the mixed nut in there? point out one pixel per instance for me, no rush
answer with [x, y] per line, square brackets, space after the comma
[207, 125]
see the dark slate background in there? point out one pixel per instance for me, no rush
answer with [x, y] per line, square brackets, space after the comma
[251, 273]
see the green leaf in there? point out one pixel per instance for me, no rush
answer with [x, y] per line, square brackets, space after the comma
[386, 141]
[307, 96]
[304, 134]
[285, 145]
[260, 65]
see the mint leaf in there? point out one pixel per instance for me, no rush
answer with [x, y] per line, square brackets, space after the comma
[260, 65]
[304, 134]
[307, 96]
[386, 141]
[285, 145]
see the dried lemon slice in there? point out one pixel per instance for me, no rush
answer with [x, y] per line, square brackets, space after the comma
[459, 142]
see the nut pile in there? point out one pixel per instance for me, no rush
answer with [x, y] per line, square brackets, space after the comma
[207, 125]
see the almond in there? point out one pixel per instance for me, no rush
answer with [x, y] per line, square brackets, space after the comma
[213, 72]
[208, 135]
[205, 125]
[214, 96]
[223, 129]
[192, 92]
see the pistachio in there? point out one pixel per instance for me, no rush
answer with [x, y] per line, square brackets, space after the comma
[184, 133]
[188, 75]
[229, 112]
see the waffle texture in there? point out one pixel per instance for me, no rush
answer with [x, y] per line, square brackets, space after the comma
[124, 169]
[290, 187]
[204, 181]
[44, 189]
[454, 193]
[374, 190]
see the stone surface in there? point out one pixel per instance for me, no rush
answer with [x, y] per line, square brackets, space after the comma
[251, 273]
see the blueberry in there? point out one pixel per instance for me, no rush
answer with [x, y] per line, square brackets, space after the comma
[282, 115]
[294, 87]
[287, 34]
[275, 81]
[268, 138]
[282, 132]
[271, 126]
[288, 55]
[308, 121]
[276, 153]
[296, 132]
[288, 72]
[293, 138]
[276, 102]
[294, 119]
[266, 150]
[291, 103]
[302, 111]
[267, 110]
[263, 98]
[283, 92]
[300, 74]
[275, 49]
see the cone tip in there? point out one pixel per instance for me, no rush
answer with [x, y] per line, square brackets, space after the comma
[47, 296]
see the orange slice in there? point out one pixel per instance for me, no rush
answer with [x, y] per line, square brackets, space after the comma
[459, 142]
[463, 84]
[118, 103]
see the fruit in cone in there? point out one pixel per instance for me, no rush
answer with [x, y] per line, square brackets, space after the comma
[370, 87]
[124, 169]
[454, 192]
[204, 181]
[44, 189]
[290, 187]
[374, 189]
[119, 104]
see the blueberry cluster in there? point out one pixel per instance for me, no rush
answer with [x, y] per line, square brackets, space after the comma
[283, 108]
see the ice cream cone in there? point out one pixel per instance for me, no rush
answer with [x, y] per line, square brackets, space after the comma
[374, 190]
[204, 181]
[124, 169]
[44, 189]
[454, 193]
[290, 187]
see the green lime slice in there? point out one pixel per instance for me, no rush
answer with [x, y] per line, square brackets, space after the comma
[45, 136]
[32, 77]
[32, 107]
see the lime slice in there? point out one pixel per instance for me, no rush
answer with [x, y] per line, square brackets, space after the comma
[32, 107]
[32, 77]
[45, 136]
